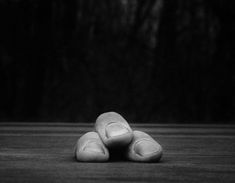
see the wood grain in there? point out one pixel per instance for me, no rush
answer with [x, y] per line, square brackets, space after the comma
[43, 152]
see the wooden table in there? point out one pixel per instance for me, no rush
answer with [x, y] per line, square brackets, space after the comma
[43, 152]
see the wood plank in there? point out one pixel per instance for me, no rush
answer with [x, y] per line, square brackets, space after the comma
[43, 152]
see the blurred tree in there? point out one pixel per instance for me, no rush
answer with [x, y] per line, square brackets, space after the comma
[149, 60]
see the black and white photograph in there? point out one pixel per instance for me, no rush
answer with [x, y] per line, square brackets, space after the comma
[109, 91]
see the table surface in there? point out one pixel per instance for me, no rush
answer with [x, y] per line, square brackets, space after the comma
[43, 152]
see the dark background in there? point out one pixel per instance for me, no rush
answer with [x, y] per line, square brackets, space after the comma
[150, 60]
